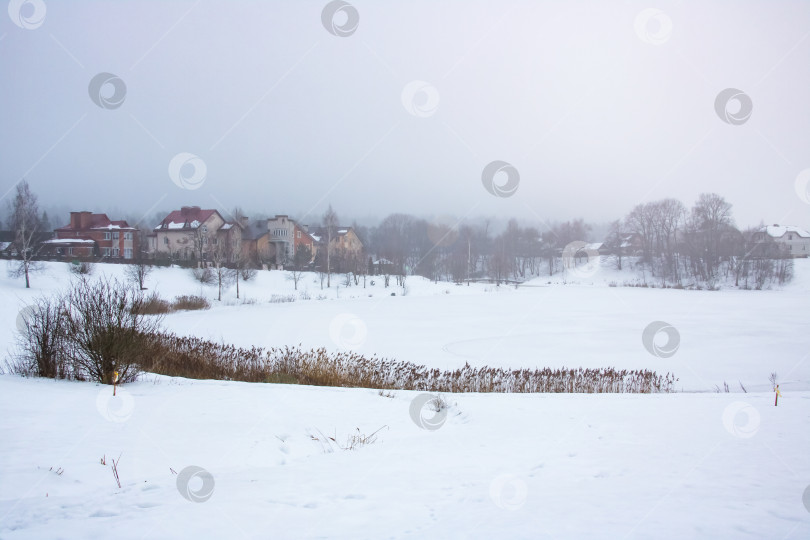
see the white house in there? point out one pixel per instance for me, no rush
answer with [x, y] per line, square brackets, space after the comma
[794, 241]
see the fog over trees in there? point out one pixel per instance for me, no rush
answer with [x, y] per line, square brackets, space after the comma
[668, 242]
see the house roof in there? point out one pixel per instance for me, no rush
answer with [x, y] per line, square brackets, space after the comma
[317, 233]
[254, 230]
[187, 218]
[69, 241]
[99, 222]
[778, 231]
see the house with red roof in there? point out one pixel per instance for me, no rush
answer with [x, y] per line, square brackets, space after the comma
[92, 235]
[187, 234]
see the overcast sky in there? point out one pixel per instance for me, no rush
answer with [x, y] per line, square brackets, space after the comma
[597, 106]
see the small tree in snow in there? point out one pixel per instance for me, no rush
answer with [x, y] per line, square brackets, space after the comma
[25, 223]
[301, 259]
[330, 224]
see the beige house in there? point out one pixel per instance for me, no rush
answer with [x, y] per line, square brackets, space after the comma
[187, 234]
[348, 241]
[275, 241]
[280, 239]
[346, 247]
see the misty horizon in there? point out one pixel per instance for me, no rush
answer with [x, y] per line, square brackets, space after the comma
[597, 107]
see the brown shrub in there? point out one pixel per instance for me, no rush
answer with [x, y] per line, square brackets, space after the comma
[154, 305]
[190, 303]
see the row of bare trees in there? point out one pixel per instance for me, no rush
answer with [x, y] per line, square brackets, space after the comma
[666, 240]
[699, 244]
[461, 252]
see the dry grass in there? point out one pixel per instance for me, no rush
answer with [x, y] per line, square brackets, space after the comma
[201, 359]
[155, 305]
[190, 303]
[354, 441]
[282, 298]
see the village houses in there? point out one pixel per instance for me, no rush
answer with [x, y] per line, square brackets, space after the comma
[92, 235]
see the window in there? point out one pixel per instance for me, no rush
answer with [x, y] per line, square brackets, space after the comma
[106, 236]
[116, 252]
[127, 236]
[128, 253]
[204, 228]
[299, 234]
[105, 251]
[115, 235]
[166, 240]
[70, 251]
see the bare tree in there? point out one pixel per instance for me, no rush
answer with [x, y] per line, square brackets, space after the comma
[242, 267]
[640, 222]
[330, 225]
[301, 260]
[219, 254]
[137, 272]
[393, 241]
[710, 221]
[669, 219]
[25, 223]
[614, 242]
[200, 240]
[141, 266]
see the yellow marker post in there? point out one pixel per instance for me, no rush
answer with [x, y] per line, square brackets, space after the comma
[115, 381]
[776, 397]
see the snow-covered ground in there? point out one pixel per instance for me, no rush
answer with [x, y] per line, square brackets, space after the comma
[687, 465]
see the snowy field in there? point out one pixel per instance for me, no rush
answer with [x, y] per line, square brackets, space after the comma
[695, 464]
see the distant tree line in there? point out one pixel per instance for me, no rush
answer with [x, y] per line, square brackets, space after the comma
[664, 240]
